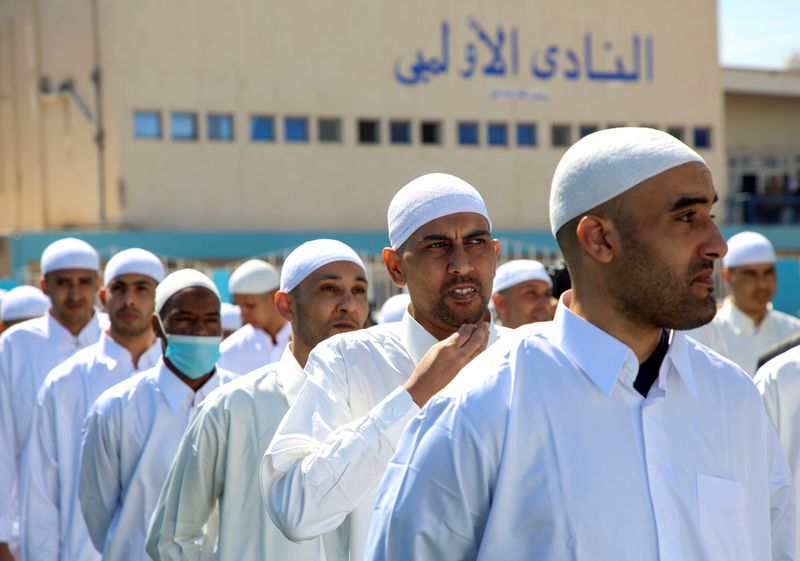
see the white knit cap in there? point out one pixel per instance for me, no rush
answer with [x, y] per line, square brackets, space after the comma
[748, 248]
[133, 261]
[24, 302]
[254, 277]
[430, 197]
[312, 255]
[395, 307]
[517, 271]
[607, 163]
[69, 253]
[231, 316]
[177, 281]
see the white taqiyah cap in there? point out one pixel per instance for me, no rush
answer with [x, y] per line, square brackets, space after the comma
[430, 197]
[177, 281]
[607, 163]
[69, 253]
[394, 308]
[517, 271]
[748, 248]
[133, 261]
[24, 302]
[254, 277]
[231, 317]
[312, 255]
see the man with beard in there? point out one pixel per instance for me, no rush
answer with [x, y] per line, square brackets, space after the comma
[746, 326]
[332, 446]
[523, 293]
[606, 434]
[53, 526]
[31, 349]
[323, 291]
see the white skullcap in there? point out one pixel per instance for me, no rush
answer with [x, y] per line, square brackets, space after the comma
[69, 253]
[517, 271]
[177, 281]
[24, 302]
[254, 277]
[134, 261]
[231, 317]
[607, 163]
[394, 308]
[427, 198]
[312, 255]
[748, 248]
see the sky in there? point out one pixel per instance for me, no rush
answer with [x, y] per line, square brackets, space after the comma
[758, 33]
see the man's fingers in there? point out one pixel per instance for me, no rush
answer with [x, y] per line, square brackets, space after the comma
[477, 341]
[463, 335]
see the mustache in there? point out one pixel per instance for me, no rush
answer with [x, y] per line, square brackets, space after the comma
[702, 266]
[466, 279]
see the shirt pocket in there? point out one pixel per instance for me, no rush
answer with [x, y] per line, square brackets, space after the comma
[723, 518]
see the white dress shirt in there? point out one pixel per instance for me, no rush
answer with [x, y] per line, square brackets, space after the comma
[28, 351]
[331, 449]
[734, 335]
[249, 348]
[53, 526]
[215, 467]
[779, 383]
[543, 449]
[130, 437]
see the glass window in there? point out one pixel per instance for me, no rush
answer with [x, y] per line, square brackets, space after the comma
[586, 130]
[220, 126]
[147, 124]
[329, 130]
[702, 137]
[295, 129]
[430, 132]
[468, 134]
[561, 135]
[677, 132]
[262, 128]
[497, 134]
[400, 132]
[526, 134]
[184, 126]
[369, 131]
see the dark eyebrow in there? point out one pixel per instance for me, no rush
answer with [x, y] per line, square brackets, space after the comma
[686, 202]
[443, 237]
[323, 278]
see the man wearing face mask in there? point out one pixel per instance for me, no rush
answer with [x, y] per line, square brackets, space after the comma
[133, 430]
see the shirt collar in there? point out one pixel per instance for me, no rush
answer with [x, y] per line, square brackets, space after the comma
[290, 374]
[741, 321]
[87, 336]
[417, 340]
[112, 353]
[176, 392]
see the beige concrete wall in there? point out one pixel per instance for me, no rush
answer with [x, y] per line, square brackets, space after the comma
[759, 124]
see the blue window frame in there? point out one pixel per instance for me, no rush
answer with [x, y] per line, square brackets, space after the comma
[400, 132]
[220, 126]
[183, 125]
[526, 134]
[498, 134]
[262, 128]
[295, 129]
[702, 137]
[147, 124]
[468, 134]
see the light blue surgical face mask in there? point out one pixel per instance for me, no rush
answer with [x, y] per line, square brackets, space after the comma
[193, 356]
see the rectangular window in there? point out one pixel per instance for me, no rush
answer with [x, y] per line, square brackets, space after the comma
[526, 134]
[400, 132]
[183, 125]
[329, 130]
[561, 135]
[497, 133]
[586, 130]
[147, 124]
[369, 131]
[677, 132]
[295, 129]
[430, 132]
[702, 137]
[468, 134]
[262, 128]
[220, 126]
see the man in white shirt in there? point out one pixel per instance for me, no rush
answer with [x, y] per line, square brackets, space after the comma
[331, 448]
[31, 349]
[22, 303]
[266, 333]
[132, 431]
[323, 292]
[523, 293]
[53, 524]
[606, 434]
[746, 326]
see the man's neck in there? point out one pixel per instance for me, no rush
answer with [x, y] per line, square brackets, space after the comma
[300, 351]
[442, 332]
[136, 345]
[756, 315]
[74, 329]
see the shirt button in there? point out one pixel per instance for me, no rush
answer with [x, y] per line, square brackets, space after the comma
[627, 367]
[653, 460]
[663, 513]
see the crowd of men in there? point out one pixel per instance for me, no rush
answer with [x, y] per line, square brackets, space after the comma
[487, 415]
